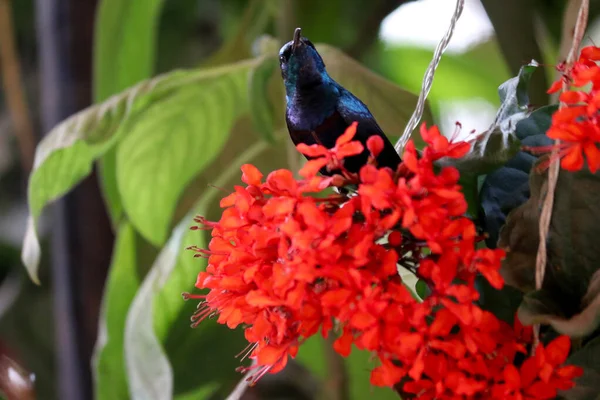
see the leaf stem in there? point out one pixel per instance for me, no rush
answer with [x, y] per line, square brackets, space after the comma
[338, 384]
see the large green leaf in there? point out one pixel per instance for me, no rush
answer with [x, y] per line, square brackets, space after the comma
[124, 54]
[157, 310]
[122, 284]
[171, 142]
[66, 154]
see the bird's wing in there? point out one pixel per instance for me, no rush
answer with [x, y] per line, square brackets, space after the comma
[352, 109]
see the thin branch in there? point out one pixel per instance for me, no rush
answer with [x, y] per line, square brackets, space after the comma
[546, 214]
[428, 79]
[11, 76]
[338, 382]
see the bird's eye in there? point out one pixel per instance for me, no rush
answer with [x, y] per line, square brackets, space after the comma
[285, 54]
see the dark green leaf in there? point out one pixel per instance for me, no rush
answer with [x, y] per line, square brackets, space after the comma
[508, 187]
[422, 289]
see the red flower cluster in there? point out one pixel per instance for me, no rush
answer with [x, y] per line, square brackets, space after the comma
[578, 125]
[286, 265]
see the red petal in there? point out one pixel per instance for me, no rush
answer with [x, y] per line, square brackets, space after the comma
[315, 150]
[591, 53]
[251, 175]
[349, 149]
[572, 97]
[343, 344]
[573, 159]
[592, 154]
[348, 135]
[269, 355]
[557, 351]
[375, 145]
[312, 167]
[512, 377]
[541, 391]
[556, 86]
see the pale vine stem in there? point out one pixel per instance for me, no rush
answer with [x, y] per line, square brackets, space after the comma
[15, 97]
[554, 167]
[428, 79]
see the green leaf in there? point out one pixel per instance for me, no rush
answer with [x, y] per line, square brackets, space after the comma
[108, 182]
[568, 299]
[110, 380]
[261, 110]
[507, 187]
[171, 142]
[391, 105]
[124, 44]
[358, 365]
[65, 155]
[124, 54]
[422, 289]
[158, 307]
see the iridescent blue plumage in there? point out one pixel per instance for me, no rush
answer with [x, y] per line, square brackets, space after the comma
[319, 109]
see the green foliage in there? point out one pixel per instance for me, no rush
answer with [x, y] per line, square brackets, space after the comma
[160, 141]
[124, 54]
[125, 43]
[153, 169]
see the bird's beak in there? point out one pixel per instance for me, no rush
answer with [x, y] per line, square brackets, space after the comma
[296, 40]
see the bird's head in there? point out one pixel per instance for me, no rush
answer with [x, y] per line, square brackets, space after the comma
[301, 65]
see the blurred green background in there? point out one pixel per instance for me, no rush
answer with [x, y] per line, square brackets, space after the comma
[108, 321]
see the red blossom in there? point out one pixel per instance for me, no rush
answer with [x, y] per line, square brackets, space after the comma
[577, 124]
[285, 265]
